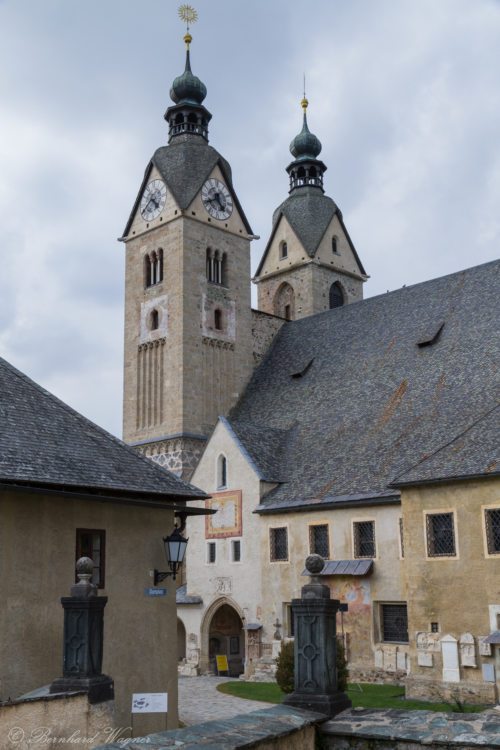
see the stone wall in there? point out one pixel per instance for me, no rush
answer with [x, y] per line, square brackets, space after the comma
[62, 721]
[264, 329]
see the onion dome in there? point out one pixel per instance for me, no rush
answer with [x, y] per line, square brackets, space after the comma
[305, 145]
[188, 87]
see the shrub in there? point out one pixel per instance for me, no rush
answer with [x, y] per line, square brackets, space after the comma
[285, 670]
[285, 667]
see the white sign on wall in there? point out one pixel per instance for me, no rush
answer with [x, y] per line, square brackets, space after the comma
[149, 703]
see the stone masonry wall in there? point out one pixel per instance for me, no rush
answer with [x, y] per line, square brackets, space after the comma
[264, 329]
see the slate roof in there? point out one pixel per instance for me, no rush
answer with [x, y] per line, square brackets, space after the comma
[271, 444]
[309, 213]
[185, 164]
[374, 403]
[45, 443]
[473, 453]
[344, 568]
[182, 597]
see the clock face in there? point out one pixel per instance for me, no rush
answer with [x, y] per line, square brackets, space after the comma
[153, 200]
[217, 199]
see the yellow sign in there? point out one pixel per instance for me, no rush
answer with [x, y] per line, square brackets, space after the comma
[222, 665]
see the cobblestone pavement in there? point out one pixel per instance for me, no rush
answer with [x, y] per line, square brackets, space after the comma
[199, 700]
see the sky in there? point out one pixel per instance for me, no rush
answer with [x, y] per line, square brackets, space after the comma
[404, 96]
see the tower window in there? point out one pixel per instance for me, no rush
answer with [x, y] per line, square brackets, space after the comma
[335, 245]
[288, 312]
[236, 550]
[283, 250]
[221, 472]
[336, 295]
[154, 320]
[216, 266]
[218, 320]
[211, 552]
[153, 268]
[284, 302]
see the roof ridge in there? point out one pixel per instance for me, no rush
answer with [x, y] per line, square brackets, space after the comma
[183, 486]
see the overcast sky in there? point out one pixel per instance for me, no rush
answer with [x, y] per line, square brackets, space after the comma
[404, 96]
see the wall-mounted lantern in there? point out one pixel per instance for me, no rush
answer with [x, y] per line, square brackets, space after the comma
[175, 549]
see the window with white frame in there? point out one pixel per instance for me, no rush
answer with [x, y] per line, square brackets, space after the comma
[492, 524]
[211, 552]
[278, 544]
[236, 550]
[440, 534]
[364, 539]
[319, 543]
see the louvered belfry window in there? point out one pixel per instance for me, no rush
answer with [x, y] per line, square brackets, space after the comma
[440, 535]
[364, 539]
[492, 518]
[278, 541]
[318, 540]
[394, 623]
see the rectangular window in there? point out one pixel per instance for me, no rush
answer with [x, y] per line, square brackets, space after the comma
[401, 538]
[92, 543]
[236, 550]
[364, 538]
[440, 535]
[211, 552]
[289, 623]
[278, 542]
[492, 519]
[318, 540]
[394, 623]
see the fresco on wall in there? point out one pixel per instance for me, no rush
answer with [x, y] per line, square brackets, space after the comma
[356, 622]
[227, 521]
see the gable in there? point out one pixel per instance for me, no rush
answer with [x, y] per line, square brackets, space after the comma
[184, 165]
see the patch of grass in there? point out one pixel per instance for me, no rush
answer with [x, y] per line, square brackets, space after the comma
[362, 695]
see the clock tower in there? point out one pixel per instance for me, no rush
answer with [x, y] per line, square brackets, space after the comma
[188, 331]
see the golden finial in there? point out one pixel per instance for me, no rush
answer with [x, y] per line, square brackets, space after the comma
[304, 103]
[189, 15]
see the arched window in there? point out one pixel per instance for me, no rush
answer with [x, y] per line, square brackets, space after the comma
[284, 302]
[221, 472]
[153, 320]
[147, 270]
[210, 264]
[336, 295]
[283, 250]
[217, 267]
[335, 245]
[154, 268]
[218, 320]
[301, 176]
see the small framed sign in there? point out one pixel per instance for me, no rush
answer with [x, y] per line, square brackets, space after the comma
[149, 703]
[155, 592]
[222, 665]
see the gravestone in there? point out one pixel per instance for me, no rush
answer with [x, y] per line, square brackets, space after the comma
[449, 648]
[315, 647]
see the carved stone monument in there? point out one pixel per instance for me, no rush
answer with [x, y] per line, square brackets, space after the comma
[83, 639]
[316, 646]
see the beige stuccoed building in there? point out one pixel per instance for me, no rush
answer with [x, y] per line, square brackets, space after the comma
[298, 418]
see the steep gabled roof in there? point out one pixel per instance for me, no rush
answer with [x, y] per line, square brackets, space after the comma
[45, 443]
[473, 453]
[309, 212]
[185, 165]
[381, 391]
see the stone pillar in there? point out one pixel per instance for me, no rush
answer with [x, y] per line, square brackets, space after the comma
[315, 647]
[83, 639]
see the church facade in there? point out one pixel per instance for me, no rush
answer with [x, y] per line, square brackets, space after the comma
[304, 419]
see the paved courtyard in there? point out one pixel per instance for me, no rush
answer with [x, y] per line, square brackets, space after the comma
[199, 700]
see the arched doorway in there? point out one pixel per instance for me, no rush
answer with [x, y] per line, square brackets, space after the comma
[181, 640]
[337, 297]
[224, 636]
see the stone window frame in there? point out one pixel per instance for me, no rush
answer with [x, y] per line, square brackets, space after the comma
[81, 550]
[364, 519]
[438, 512]
[283, 250]
[153, 267]
[310, 528]
[484, 511]
[379, 634]
[221, 473]
[211, 553]
[272, 550]
[235, 542]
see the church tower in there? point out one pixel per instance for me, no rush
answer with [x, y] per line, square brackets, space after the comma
[310, 263]
[188, 339]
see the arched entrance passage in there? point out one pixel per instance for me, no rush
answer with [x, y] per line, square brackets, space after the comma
[223, 634]
[181, 640]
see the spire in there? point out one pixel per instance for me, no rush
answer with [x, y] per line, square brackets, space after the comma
[307, 170]
[188, 115]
